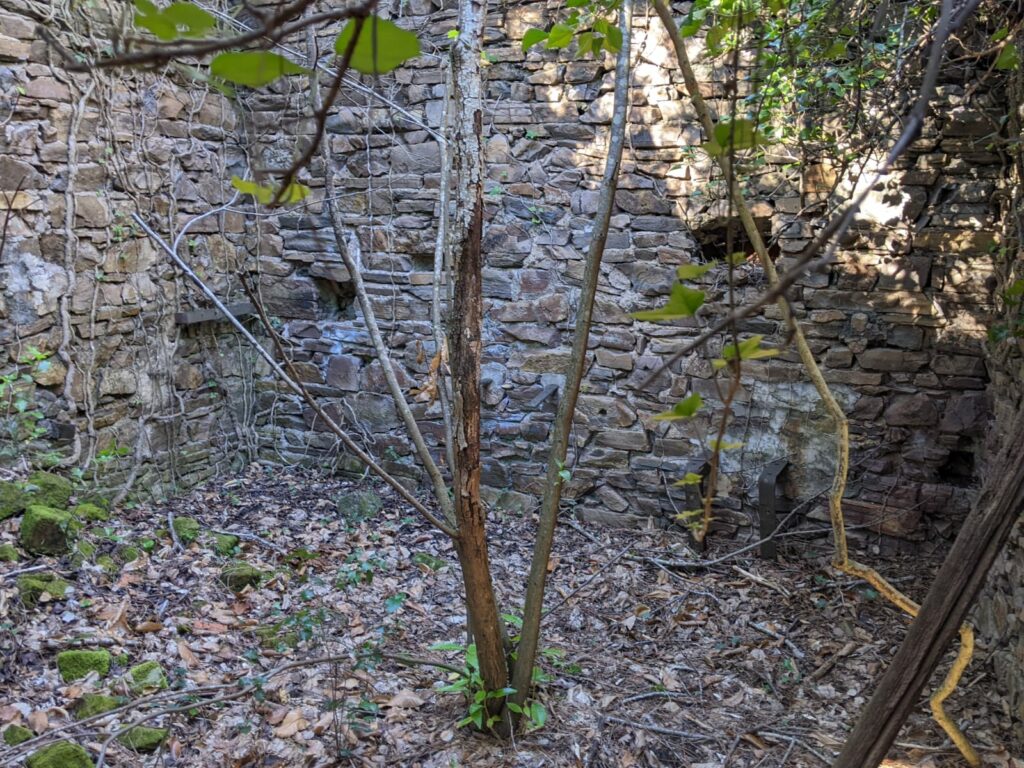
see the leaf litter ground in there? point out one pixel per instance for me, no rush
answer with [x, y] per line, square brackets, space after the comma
[748, 663]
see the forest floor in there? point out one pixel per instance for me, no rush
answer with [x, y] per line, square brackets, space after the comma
[747, 663]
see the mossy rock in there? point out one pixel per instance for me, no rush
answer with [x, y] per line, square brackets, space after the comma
[224, 543]
[92, 704]
[15, 734]
[63, 754]
[8, 553]
[238, 575]
[107, 564]
[48, 531]
[84, 552]
[128, 554]
[31, 587]
[74, 665]
[147, 676]
[49, 490]
[358, 504]
[12, 500]
[143, 739]
[91, 512]
[187, 529]
[275, 637]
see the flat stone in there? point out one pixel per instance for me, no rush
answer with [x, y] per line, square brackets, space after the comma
[912, 411]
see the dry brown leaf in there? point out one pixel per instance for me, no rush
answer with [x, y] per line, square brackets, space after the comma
[405, 699]
[146, 627]
[325, 722]
[38, 721]
[293, 723]
[209, 627]
[187, 657]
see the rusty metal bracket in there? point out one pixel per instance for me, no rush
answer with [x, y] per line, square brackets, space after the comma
[767, 501]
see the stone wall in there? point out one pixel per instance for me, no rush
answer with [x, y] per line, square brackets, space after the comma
[128, 393]
[898, 323]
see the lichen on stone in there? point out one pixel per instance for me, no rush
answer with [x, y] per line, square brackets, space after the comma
[143, 739]
[16, 734]
[187, 529]
[48, 489]
[63, 754]
[147, 676]
[32, 586]
[48, 531]
[74, 665]
[238, 575]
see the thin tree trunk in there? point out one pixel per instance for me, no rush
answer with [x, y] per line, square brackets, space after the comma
[466, 324]
[526, 653]
[945, 607]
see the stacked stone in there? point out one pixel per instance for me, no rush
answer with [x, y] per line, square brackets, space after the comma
[898, 323]
[148, 394]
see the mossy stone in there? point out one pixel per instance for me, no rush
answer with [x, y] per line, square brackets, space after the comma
[63, 754]
[15, 734]
[128, 554]
[92, 704]
[74, 665]
[8, 554]
[187, 529]
[48, 531]
[143, 739]
[274, 637]
[224, 543]
[147, 676]
[107, 564]
[358, 504]
[48, 489]
[32, 586]
[12, 500]
[238, 575]
[84, 552]
[91, 512]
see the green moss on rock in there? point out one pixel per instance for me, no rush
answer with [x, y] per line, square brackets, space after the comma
[107, 564]
[48, 489]
[147, 676]
[358, 505]
[91, 512]
[187, 529]
[12, 500]
[92, 704]
[63, 754]
[224, 543]
[276, 637]
[128, 554]
[48, 531]
[8, 554]
[238, 575]
[74, 665]
[32, 586]
[15, 734]
[143, 739]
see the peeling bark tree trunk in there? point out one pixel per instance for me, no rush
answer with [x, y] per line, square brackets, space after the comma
[532, 611]
[464, 336]
[944, 609]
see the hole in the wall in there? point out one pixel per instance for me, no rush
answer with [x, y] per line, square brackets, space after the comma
[336, 300]
[958, 469]
[713, 242]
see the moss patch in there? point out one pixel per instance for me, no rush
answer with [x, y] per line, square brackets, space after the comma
[91, 512]
[63, 754]
[275, 637]
[143, 739]
[224, 543]
[15, 734]
[107, 564]
[128, 554]
[12, 500]
[187, 529]
[92, 704]
[238, 575]
[49, 490]
[32, 586]
[147, 676]
[358, 505]
[74, 665]
[48, 531]
[8, 554]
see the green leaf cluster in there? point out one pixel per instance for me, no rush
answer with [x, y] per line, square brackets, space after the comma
[176, 21]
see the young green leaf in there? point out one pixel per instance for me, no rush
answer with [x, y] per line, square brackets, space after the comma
[262, 194]
[733, 135]
[690, 478]
[253, 68]
[683, 302]
[1007, 58]
[749, 349]
[693, 271]
[684, 409]
[559, 36]
[613, 40]
[532, 37]
[382, 45]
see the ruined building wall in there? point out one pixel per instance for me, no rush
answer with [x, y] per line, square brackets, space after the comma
[898, 323]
